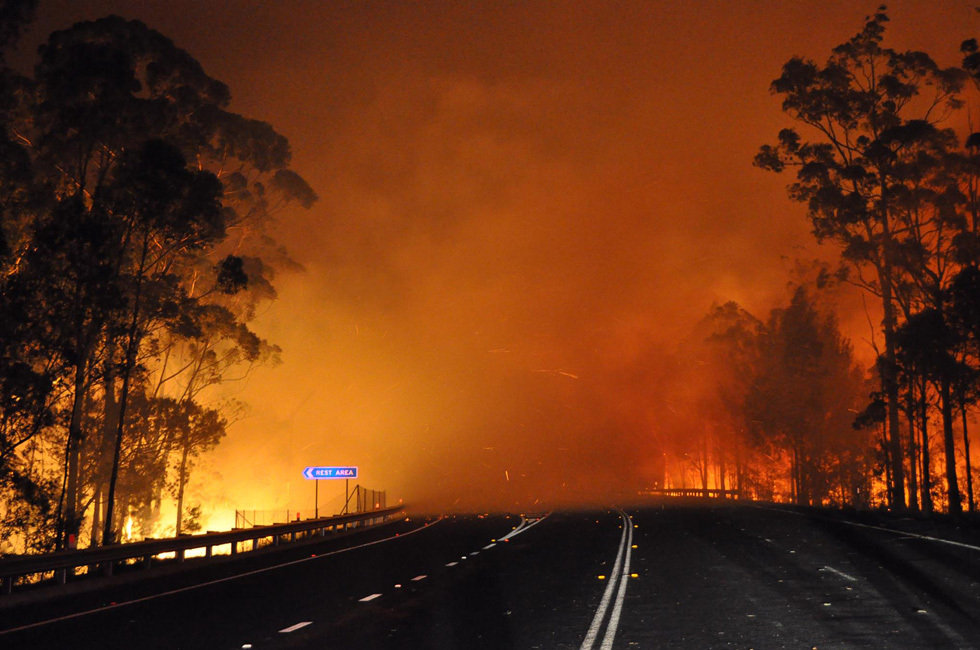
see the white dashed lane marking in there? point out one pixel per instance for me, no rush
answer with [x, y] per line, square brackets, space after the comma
[847, 577]
[293, 628]
[368, 599]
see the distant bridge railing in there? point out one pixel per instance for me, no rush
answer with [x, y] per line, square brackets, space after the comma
[64, 563]
[709, 493]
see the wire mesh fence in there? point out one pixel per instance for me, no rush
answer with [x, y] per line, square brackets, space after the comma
[368, 499]
[360, 499]
[250, 518]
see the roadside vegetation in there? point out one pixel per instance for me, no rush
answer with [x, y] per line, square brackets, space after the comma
[884, 161]
[135, 248]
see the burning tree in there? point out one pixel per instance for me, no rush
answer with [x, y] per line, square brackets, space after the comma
[133, 258]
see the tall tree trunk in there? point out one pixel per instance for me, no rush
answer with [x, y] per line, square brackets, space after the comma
[739, 470]
[969, 470]
[891, 396]
[96, 516]
[182, 480]
[888, 465]
[72, 521]
[107, 533]
[926, 461]
[129, 366]
[110, 415]
[949, 446]
[889, 375]
[721, 472]
[703, 468]
[797, 492]
[913, 455]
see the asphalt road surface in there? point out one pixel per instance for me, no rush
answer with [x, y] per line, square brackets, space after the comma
[676, 575]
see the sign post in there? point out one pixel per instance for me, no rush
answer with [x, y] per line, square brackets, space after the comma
[316, 473]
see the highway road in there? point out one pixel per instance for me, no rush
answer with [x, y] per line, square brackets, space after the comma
[667, 575]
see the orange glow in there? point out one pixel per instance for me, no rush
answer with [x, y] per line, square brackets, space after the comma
[525, 209]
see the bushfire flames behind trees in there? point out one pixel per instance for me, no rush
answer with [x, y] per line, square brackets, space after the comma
[135, 248]
[786, 392]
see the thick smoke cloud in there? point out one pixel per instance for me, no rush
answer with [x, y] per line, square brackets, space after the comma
[525, 207]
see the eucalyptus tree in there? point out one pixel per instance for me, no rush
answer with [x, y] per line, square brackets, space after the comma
[932, 235]
[169, 211]
[964, 313]
[136, 145]
[929, 342]
[864, 107]
[804, 387]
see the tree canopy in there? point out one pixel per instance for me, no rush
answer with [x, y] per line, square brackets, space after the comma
[124, 294]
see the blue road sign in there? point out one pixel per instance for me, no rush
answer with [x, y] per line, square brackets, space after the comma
[330, 472]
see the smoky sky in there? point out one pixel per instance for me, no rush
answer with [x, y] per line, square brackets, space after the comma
[524, 209]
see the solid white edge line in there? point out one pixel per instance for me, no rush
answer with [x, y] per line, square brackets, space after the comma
[600, 612]
[906, 534]
[293, 628]
[212, 582]
[939, 540]
[613, 625]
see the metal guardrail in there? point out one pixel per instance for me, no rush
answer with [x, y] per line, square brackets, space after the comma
[693, 492]
[105, 557]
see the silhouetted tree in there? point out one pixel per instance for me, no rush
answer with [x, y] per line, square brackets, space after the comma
[804, 389]
[124, 178]
[928, 340]
[964, 314]
[867, 105]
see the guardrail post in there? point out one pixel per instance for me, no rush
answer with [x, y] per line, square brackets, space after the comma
[208, 552]
[147, 561]
[8, 585]
[234, 548]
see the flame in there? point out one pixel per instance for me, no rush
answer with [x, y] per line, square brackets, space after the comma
[128, 528]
